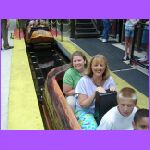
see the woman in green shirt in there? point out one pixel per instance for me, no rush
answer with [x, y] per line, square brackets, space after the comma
[71, 77]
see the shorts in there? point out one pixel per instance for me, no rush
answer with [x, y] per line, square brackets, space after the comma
[129, 33]
[86, 120]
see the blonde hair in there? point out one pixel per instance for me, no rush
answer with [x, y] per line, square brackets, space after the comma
[99, 58]
[127, 93]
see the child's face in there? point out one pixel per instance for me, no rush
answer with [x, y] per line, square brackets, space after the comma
[142, 124]
[125, 106]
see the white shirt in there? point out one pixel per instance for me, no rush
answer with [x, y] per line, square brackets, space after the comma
[86, 86]
[113, 120]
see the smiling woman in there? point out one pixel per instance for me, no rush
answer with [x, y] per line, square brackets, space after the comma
[97, 79]
[72, 76]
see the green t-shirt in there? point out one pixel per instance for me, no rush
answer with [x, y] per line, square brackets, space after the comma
[71, 77]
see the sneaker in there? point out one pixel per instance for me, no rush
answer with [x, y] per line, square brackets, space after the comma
[100, 38]
[104, 40]
[126, 58]
[12, 36]
[8, 47]
[143, 58]
[129, 57]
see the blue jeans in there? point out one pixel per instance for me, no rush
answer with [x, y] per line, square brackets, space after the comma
[106, 28]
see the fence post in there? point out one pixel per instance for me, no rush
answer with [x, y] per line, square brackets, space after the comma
[72, 33]
[61, 29]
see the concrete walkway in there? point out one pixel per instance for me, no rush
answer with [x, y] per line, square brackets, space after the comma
[6, 56]
[19, 103]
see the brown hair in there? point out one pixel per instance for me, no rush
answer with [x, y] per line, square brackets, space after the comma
[98, 57]
[140, 114]
[79, 53]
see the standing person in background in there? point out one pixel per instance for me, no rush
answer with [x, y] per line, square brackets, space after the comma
[106, 29]
[145, 42]
[71, 77]
[12, 28]
[22, 24]
[129, 34]
[5, 25]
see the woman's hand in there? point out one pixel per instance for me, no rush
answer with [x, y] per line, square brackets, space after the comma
[100, 90]
[112, 88]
